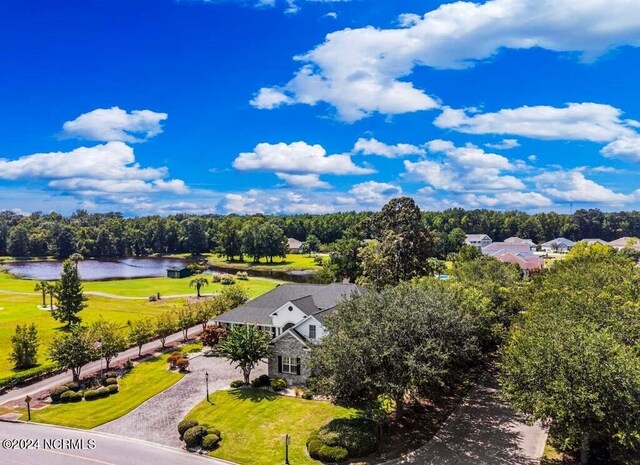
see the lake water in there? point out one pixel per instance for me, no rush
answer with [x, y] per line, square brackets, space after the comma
[92, 270]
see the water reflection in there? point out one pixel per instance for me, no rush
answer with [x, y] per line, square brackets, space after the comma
[91, 270]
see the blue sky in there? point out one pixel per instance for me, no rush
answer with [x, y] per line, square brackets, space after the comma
[294, 106]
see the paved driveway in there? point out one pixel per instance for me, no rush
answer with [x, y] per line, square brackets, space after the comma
[483, 431]
[157, 419]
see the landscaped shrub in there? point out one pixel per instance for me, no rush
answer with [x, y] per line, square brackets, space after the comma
[227, 279]
[56, 392]
[278, 384]
[173, 359]
[215, 278]
[66, 396]
[110, 374]
[242, 276]
[186, 424]
[236, 383]
[76, 396]
[72, 385]
[110, 381]
[193, 436]
[91, 394]
[103, 391]
[128, 366]
[319, 451]
[260, 381]
[307, 395]
[213, 431]
[210, 441]
[113, 388]
[356, 435]
[182, 364]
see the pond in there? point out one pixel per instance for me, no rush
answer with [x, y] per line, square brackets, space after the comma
[96, 269]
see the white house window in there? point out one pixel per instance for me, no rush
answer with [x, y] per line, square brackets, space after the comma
[289, 365]
[312, 331]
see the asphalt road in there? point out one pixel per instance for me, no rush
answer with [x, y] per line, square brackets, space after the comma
[52, 445]
[93, 367]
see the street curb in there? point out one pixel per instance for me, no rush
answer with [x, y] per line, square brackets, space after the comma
[122, 438]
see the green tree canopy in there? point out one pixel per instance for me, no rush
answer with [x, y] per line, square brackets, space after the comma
[71, 300]
[245, 346]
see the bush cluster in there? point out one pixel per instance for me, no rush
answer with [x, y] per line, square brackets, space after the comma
[261, 381]
[92, 394]
[210, 441]
[215, 278]
[242, 276]
[56, 393]
[237, 383]
[343, 438]
[278, 384]
[113, 388]
[227, 279]
[177, 360]
[184, 425]
[195, 435]
[73, 386]
[307, 395]
[110, 381]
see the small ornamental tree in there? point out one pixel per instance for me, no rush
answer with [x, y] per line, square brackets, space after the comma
[73, 350]
[42, 286]
[24, 346]
[198, 283]
[112, 340]
[165, 325]
[141, 332]
[186, 316]
[70, 297]
[211, 308]
[246, 346]
[235, 296]
[212, 336]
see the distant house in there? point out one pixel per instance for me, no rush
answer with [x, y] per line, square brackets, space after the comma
[294, 314]
[516, 240]
[478, 240]
[519, 253]
[561, 244]
[594, 241]
[624, 242]
[527, 263]
[294, 245]
[178, 272]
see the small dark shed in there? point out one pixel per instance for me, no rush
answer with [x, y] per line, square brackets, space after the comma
[177, 272]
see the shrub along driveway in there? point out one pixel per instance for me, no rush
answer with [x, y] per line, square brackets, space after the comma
[157, 419]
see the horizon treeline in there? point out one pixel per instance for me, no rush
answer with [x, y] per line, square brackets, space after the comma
[113, 235]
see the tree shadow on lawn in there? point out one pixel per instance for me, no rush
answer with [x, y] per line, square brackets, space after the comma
[253, 394]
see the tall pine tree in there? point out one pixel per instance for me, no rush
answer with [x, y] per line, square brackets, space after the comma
[70, 297]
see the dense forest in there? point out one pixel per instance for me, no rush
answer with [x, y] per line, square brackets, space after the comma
[112, 234]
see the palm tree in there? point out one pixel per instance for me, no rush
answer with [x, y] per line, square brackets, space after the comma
[52, 290]
[43, 286]
[75, 258]
[198, 283]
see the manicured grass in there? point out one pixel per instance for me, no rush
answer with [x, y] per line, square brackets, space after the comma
[254, 422]
[147, 379]
[19, 309]
[144, 287]
[291, 262]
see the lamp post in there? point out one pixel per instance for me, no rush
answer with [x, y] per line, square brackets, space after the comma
[287, 441]
[98, 345]
[206, 380]
[27, 400]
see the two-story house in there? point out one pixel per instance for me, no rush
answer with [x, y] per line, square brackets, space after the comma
[478, 240]
[294, 314]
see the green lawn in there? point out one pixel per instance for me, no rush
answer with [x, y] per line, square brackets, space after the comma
[291, 262]
[147, 379]
[144, 287]
[254, 423]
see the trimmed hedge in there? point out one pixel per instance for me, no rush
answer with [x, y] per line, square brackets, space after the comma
[113, 388]
[319, 451]
[210, 441]
[260, 381]
[91, 394]
[353, 435]
[57, 392]
[66, 396]
[111, 374]
[193, 436]
[184, 425]
[110, 381]
[278, 384]
[76, 396]
[73, 386]
[28, 376]
[238, 383]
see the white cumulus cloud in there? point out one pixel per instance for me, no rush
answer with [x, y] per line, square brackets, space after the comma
[375, 147]
[115, 124]
[573, 186]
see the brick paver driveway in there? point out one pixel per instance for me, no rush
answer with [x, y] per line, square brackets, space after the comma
[157, 419]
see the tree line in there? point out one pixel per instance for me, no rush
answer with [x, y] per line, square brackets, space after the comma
[113, 235]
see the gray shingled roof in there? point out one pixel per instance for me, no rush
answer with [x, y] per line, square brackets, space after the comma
[322, 314]
[258, 310]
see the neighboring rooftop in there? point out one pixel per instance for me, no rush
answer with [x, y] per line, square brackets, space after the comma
[294, 243]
